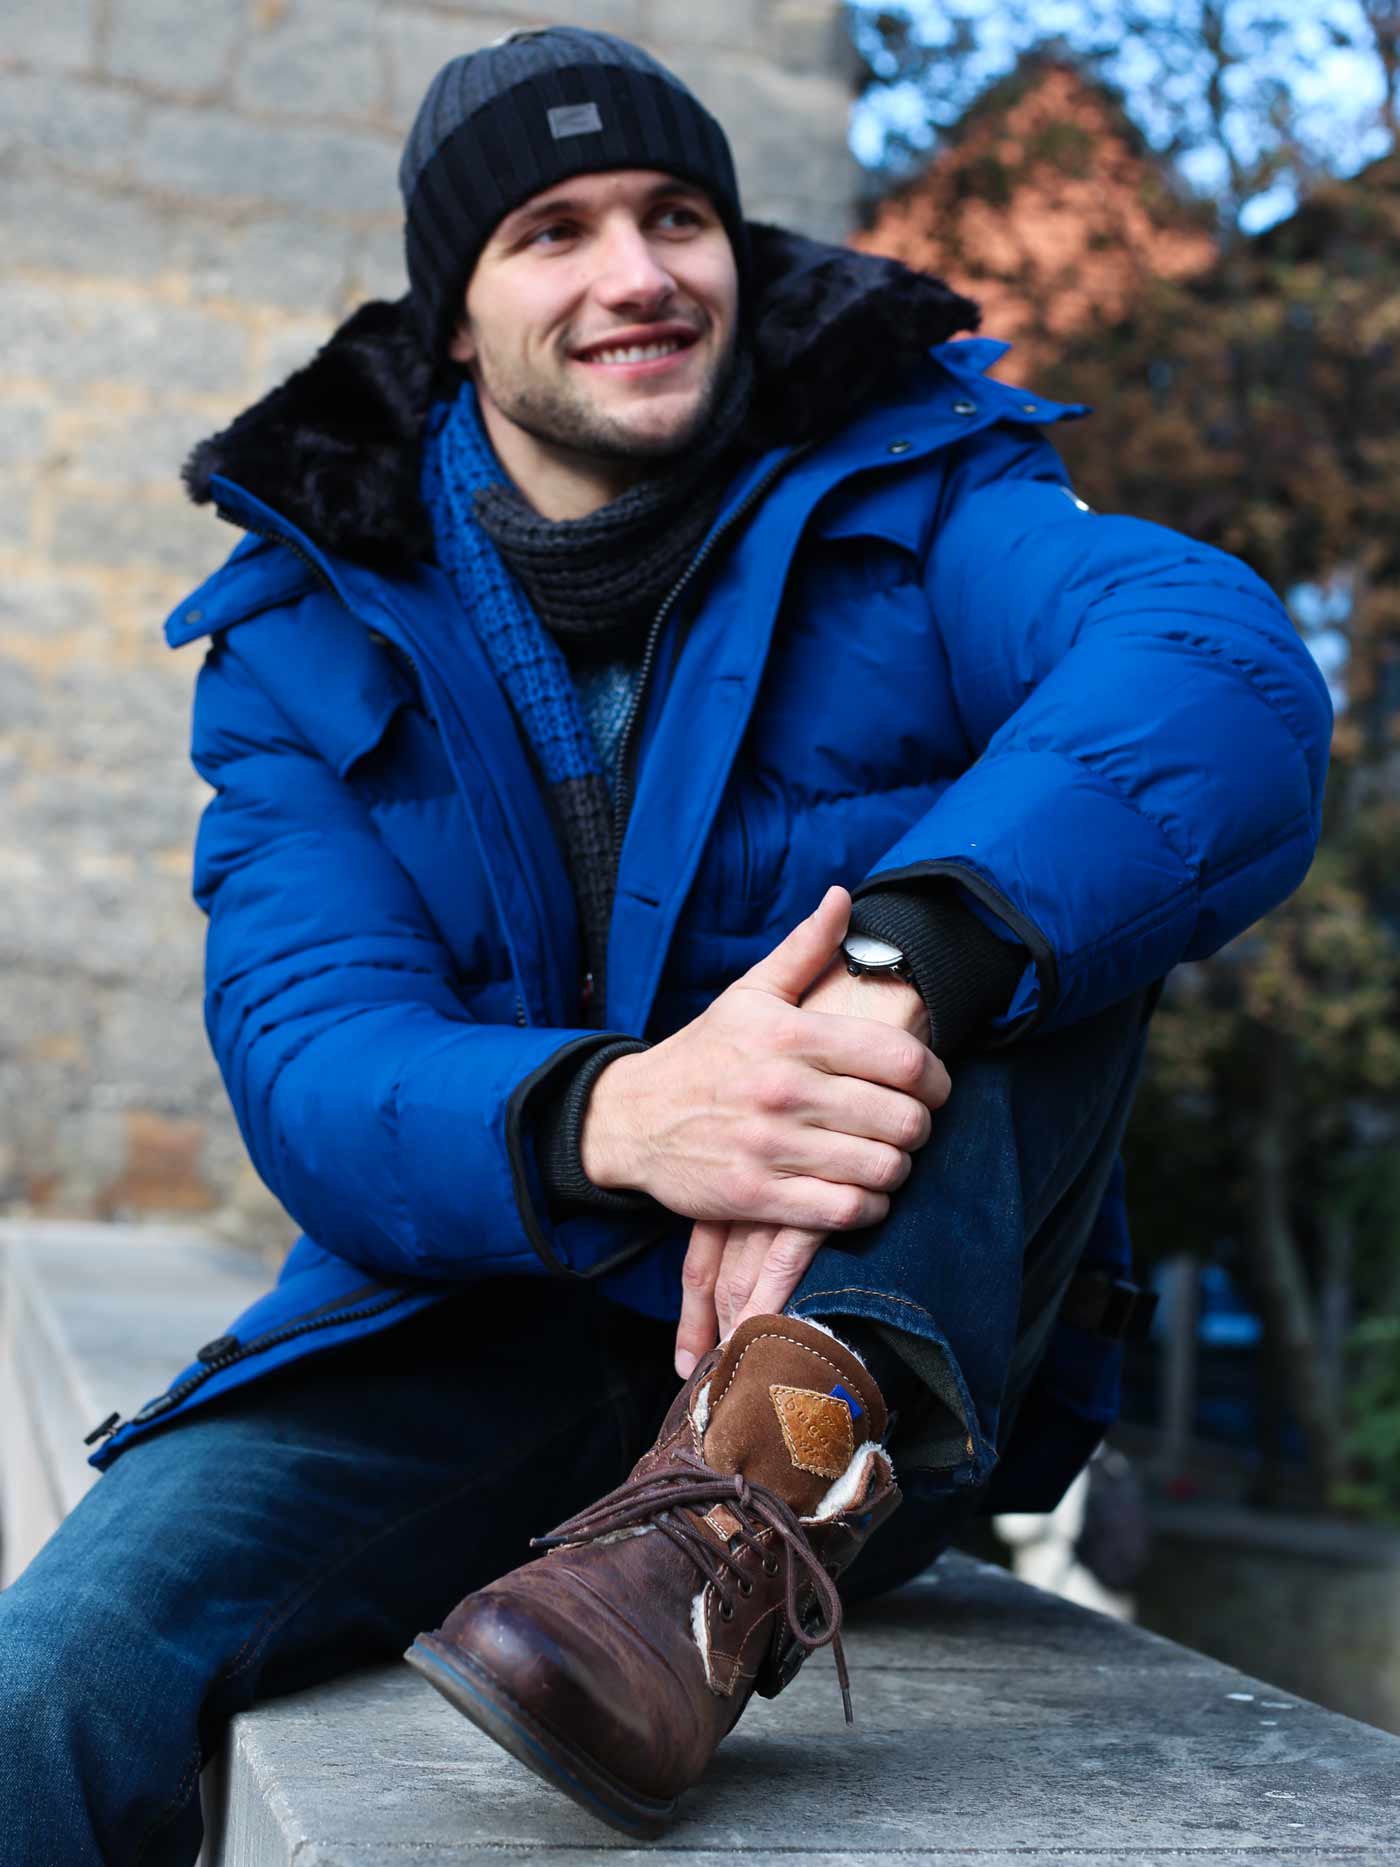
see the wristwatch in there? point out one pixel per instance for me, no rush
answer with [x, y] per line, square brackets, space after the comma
[865, 954]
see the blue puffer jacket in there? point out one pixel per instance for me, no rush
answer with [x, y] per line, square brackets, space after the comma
[914, 651]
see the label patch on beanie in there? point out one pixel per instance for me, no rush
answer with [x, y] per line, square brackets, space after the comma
[574, 120]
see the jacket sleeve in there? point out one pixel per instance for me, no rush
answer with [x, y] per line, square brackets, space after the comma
[1149, 735]
[393, 1125]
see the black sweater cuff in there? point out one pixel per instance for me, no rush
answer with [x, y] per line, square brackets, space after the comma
[964, 973]
[559, 1109]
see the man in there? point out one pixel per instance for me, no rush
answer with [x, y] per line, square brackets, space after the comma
[701, 809]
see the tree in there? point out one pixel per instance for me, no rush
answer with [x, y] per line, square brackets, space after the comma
[1259, 408]
[1254, 404]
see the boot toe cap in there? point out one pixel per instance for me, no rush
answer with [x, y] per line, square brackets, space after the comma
[578, 1669]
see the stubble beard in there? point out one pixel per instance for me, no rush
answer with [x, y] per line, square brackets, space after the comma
[564, 417]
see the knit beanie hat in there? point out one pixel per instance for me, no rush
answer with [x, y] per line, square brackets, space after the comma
[499, 125]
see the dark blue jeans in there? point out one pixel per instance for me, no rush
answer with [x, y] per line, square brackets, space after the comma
[318, 1520]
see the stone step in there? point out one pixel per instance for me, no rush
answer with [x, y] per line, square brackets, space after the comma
[995, 1723]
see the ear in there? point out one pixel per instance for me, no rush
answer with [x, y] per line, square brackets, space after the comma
[462, 348]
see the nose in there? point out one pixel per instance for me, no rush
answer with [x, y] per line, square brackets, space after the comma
[631, 276]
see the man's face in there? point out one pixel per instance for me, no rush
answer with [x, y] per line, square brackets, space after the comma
[600, 318]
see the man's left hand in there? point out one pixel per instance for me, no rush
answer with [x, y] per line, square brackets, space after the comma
[746, 1268]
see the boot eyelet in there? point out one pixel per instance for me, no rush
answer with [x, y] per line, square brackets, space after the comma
[745, 1587]
[770, 1565]
[726, 1610]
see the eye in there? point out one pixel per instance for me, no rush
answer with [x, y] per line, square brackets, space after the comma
[682, 217]
[552, 234]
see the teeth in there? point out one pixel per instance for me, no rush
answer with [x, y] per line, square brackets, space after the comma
[637, 353]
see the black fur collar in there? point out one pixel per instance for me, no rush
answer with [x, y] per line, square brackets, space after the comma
[335, 448]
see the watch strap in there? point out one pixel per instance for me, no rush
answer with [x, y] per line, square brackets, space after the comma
[964, 973]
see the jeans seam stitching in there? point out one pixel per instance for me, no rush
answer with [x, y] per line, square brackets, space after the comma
[858, 1290]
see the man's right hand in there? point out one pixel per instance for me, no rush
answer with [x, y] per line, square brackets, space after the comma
[760, 1110]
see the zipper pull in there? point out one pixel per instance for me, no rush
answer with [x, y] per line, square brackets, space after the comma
[105, 1430]
[585, 997]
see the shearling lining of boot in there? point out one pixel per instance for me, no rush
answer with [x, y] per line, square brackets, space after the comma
[846, 1490]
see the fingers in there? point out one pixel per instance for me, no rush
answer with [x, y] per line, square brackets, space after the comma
[698, 1329]
[843, 1045]
[806, 952]
[784, 1264]
[817, 1205]
[845, 1159]
[878, 1114]
[745, 1248]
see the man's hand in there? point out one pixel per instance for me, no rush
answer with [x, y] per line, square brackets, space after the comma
[768, 1109]
[751, 1269]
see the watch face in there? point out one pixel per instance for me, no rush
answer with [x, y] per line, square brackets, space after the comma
[866, 950]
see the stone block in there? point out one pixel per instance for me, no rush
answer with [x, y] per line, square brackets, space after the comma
[21, 705]
[57, 223]
[24, 429]
[172, 46]
[282, 351]
[151, 1050]
[780, 125]
[627, 18]
[42, 604]
[810, 35]
[376, 267]
[122, 448]
[295, 261]
[117, 532]
[77, 124]
[70, 339]
[736, 25]
[50, 36]
[16, 507]
[317, 58]
[418, 45]
[161, 1168]
[135, 724]
[1110, 1750]
[233, 160]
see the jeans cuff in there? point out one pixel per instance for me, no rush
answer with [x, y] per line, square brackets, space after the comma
[975, 1468]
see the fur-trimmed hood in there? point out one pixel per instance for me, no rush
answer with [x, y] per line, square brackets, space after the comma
[335, 449]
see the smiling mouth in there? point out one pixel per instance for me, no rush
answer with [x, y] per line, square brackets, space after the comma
[653, 352]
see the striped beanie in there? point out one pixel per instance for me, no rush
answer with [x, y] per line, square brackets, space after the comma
[499, 125]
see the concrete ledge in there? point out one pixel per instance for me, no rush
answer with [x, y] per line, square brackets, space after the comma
[994, 1721]
[96, 1319]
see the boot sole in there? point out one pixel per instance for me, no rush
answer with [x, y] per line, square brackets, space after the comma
[472, 1690]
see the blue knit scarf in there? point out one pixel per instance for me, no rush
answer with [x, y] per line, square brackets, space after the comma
[458, 463]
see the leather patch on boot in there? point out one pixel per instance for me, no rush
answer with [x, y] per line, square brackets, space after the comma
[723, 1521]
[816, 1428]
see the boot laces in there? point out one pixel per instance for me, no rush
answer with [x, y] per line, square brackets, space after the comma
[662, 1500]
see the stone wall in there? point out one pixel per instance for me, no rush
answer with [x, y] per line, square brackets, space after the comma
[191, 193]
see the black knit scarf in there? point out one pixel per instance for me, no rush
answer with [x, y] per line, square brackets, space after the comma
[596, 583]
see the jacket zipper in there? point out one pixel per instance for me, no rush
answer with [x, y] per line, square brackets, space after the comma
[622, 803]
[274, 1339]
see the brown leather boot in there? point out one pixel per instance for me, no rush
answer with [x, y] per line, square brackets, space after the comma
[613, 1666]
